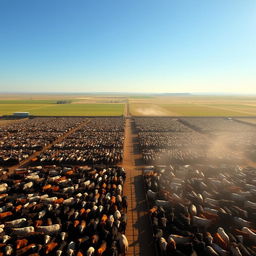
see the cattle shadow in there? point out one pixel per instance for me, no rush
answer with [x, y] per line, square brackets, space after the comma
[145, 235]
[139, 162]
[137, 153]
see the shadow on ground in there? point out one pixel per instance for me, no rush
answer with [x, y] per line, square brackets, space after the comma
[143, 224]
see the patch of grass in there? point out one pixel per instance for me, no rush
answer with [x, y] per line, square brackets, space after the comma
[8, 109]
[28, 101]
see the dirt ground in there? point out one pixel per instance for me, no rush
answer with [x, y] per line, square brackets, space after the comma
[139, 233]
[150, 110]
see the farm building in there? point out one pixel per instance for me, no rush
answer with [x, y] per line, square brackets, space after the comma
[21, 114]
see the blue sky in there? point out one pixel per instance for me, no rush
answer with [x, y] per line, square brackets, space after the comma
[128, 45]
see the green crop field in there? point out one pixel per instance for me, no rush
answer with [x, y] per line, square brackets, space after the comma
[139, 105]
[64, 109]
[28, 101]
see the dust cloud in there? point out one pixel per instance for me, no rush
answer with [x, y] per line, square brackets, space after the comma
[152, 111]
[229, 146]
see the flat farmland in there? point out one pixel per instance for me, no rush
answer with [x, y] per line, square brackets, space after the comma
[63, 109]
[191, 109]
[208, 110]
[102, 105]
[248, 120]
[145, 109]
[193, 106]
[27, 101]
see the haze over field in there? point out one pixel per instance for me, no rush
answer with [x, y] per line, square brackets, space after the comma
[128, 46]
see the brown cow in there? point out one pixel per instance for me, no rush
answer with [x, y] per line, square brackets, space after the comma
[20, 243]
[5, 214]
[50, 247]
[102, 248]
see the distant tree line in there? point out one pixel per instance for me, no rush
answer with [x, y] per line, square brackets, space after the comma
[63, 101]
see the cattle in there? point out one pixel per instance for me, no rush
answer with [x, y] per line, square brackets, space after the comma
[179, 239]
[90, 251]
[151, 195]
[4, 215]
[3, 187]
[210, 251]
[102, 248]
[192, 210]
[211, 219]
[241, 222]
[16, 223]
[60, 249]
[23, 231]
[123, 244]
[20, 243]
[25, 250]
[163, 203]
[249, 204]
[201, 222]
[223, 234]
[50, 247]
[235, 250]
[219, 250]
[252, 235]
[46, 219]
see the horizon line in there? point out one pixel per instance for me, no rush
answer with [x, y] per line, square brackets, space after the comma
[138, 93]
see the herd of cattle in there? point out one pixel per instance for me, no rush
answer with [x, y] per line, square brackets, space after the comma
[50, 209]
[99, 141]
[65, 204]
[201, 202]
[238, 134]
[21, 139]
[208, 211]
[54, 210]
[193, 140]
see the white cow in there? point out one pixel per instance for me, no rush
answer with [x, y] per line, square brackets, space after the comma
[23, 231]
[90, 251]
[16, 223]
[123, 243]
[51, 229]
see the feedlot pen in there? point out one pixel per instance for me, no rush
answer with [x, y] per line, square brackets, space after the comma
[139, 228]
[138, 231]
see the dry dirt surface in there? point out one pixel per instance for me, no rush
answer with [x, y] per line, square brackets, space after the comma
[150, 110]
[138, 232]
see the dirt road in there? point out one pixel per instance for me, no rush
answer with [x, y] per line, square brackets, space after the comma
[138, 231]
